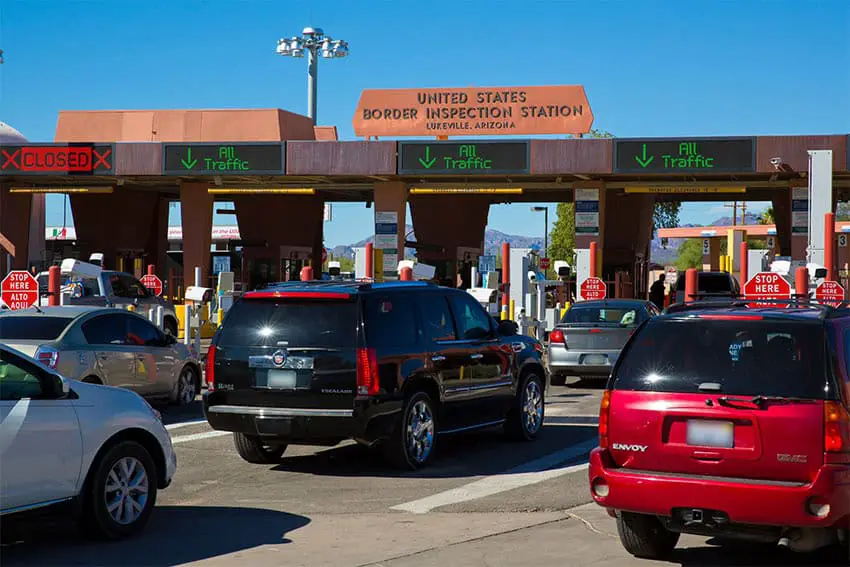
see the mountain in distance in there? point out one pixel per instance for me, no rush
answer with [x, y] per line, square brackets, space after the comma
[667, 254]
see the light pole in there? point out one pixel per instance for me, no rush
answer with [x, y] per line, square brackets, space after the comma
[545, 211]
[314, 42]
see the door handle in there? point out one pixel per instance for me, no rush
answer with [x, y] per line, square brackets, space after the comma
[476, 356]
[438, 358]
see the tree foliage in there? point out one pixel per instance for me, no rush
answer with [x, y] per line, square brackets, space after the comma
[767, 216]
[690, 254]
[562, 240]
[842, 213]
[666, 215]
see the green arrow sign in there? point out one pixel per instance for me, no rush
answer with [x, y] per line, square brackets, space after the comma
[428, 162]
[643, 161]
[189, 163]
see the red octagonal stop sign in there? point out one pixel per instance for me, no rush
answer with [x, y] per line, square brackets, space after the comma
[593, 288]
[153, 284]
[830, 293]
[19, 290]
[767, 285]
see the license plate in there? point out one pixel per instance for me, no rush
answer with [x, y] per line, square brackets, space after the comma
[711, 434]
[595, 359]
[282, 379]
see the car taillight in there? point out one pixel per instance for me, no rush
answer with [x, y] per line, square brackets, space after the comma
[368, 383]
[604, 410]
[556, 336]
[209, 369]
[836, 428]
[47, 356]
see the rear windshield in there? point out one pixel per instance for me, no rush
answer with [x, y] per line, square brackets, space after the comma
[595, 315]
[32, 328]
[708, 283]
[312, 323]
[744, 357]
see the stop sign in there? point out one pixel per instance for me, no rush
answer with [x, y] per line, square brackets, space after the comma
[544, 263]
[830, 293]
[593, 288]
[766, 285]
[19, 290]
[153, 284]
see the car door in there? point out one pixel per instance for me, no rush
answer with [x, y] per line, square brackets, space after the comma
[40, 445]
[156, 361]
[491, 360]
[106, 336]
[447, 358]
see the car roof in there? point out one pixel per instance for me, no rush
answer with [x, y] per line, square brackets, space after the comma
[792, 313]
[611, 303]
[67, 311]
[339, 286]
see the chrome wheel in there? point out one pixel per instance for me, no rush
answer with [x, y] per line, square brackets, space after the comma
[126, 490]
[419, 436]
[186, 387]
[532, 407]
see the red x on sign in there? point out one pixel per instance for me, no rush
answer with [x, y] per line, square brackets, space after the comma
[71, 159]
[11, 159]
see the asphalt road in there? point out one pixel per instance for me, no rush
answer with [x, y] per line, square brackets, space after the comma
[483, 502]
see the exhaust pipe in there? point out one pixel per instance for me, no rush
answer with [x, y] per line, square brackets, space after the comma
[806, 540]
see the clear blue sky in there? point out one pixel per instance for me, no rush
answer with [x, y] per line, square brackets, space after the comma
[650, 68]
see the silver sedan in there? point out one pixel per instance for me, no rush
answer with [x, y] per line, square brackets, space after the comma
[105, 346]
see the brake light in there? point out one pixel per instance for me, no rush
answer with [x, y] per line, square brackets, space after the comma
[47, 356]
[368, 383]
[836, 428]
[596, 330]
[604, 410]
[556, 336]
[209, 369]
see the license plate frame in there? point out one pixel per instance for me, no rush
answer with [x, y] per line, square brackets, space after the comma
[282, 379]
[595, 360]
[710, 433]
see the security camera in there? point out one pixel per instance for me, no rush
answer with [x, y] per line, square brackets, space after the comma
[776, 161]
[532, 276]
[779, 164]
[199, 294]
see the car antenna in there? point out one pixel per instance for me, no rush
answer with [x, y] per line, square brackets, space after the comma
[37, 308]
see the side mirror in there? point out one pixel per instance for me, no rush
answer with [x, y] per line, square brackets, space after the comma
[820, 273]
[507, 328]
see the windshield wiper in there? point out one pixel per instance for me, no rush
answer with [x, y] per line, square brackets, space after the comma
[760, 400]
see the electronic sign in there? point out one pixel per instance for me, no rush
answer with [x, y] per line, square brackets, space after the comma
[685, 155]
[224, 159]
[463, 158]
[57, 159]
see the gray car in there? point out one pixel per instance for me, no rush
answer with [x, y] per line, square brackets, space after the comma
[590, 336]
[105, 346]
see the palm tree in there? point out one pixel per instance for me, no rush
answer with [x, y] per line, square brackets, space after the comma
[767, 216]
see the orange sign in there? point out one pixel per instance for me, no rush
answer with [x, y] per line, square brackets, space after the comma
[482, 111]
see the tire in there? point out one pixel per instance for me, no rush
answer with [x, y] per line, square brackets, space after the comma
[525, 419]
[170, 327]
[187, 387]
[124, 466]
[412, 443]
[253, 450]
[645, 537]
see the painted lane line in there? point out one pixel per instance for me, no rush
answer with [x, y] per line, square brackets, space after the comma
[197, 436]
[171, 426]
[532, 472]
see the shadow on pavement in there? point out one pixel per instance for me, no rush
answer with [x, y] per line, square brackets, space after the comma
[741, 554]
[483, 453]
[177, 414]
[174, 535]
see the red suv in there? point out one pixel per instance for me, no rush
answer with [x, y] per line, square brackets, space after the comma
[728, 421]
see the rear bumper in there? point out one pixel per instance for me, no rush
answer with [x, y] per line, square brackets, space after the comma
[305, 425]
[575, 362]
[745, 502]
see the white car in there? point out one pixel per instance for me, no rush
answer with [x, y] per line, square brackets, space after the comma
[102, 449]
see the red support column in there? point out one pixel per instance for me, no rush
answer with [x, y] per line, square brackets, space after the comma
[690, 284]
[306, 273]
[151, 270]
[53, 277]
[406, 274]
[743, 262]
[370, 260]
[801, 282]
[593, 259]
[506, 278]
[829, 245]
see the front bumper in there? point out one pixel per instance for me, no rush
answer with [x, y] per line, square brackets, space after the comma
[561, 361]
[747, 502]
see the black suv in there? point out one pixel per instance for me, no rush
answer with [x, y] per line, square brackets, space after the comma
[387, 364]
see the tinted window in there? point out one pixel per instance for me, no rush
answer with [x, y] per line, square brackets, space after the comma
[437, 321]
[18, 379]
[106, 330]
[32, 328]
[471, 319]
[320, 323]
[142, 333]
[595, 315]
[745, 357]
[390, 320]
[118, 288]
[133, 287]
[708, 282]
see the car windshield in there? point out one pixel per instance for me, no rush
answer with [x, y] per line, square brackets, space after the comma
[317, 323]
[737, 356]
[600, 314]
[707, 283]
[36, 328]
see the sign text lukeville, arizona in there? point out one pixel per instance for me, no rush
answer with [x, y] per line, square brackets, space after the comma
[490, 157]
[223, 159]
[473, 111]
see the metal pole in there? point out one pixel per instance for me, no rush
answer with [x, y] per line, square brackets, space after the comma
[546, 232]
[312, 80]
